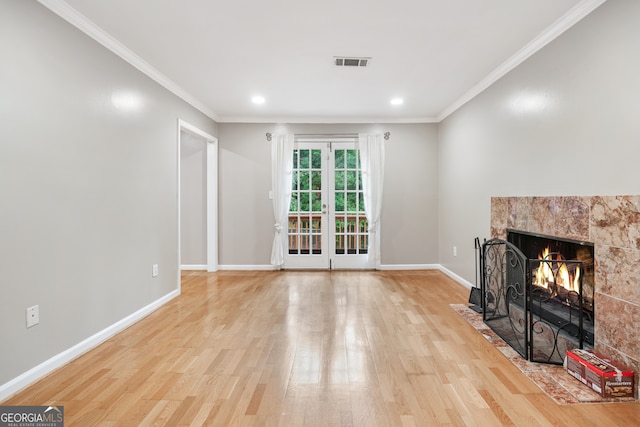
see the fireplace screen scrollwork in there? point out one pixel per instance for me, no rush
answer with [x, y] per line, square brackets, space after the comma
[535, 305]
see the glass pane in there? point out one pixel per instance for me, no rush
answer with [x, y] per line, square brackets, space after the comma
[363, 225]
[359, 180]
[304, 238]
[293, 244]
[295, 159]
[304, 201]
[351, 202]
[351, 180]
[340, 180]
[293, 206]
[360, 202]
[363, 244]
[339, 235]
[304, 180]
[304, 225]
[316, 244]
[339, 202]
[316, 180]
[316, 159]
[304, 159]
[339, 156]
[316, 202]
[316, 225]
[351, 159]
[293, 225]
[294, 185]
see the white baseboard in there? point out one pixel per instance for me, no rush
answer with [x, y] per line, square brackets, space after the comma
[410, 267]
[455, 277]
[39, 371]
[194, 267]
[247, 267]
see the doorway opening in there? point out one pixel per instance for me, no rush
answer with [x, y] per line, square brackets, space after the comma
[327, 226]
[197, 198]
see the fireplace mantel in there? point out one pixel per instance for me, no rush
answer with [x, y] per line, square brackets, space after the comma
[612, 223]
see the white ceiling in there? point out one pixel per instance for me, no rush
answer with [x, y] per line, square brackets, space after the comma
[217, 54]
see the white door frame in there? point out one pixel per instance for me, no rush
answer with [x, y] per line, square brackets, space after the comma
[345, 261]
[311, 261]
[212, 192]
[329, 260]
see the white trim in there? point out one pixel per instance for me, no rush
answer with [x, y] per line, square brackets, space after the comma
[66, 356]
[75, 18]
[455, 277]
[212, 194]
[193, 267]
[196, 131]
[569, 19]
[409, 267]
[212, 205]
[267, 267]
[325, 119]
[85, 25]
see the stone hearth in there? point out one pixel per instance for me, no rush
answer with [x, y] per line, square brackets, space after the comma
[612, 223]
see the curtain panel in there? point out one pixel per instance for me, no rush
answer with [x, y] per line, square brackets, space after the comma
[281, 180]
[372, 166]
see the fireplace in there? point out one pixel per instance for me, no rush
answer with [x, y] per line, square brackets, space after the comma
[538, 293]
[560, 287]
[612, 223]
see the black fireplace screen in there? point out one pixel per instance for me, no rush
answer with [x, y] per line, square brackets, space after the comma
[535, 305]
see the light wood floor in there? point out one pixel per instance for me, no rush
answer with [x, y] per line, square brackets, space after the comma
[307, 348]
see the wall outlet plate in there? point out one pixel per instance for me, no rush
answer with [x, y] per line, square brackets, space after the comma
[154, 270]
[33, 316]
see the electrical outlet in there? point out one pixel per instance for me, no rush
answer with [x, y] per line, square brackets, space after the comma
[33, 316]
[154, 270]
[455, 251]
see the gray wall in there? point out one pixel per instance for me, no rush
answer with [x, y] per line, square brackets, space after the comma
[409, 233]
[88, 191]
[193, 199]
[577, 134]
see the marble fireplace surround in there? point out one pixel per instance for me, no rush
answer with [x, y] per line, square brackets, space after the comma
[612, 223]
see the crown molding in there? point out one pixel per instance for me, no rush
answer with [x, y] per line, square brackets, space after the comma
[325, 120]
[569, 19]
[75, 18]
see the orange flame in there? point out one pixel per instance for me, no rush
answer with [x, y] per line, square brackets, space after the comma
[544, 276]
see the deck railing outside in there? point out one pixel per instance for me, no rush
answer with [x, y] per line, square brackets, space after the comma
[305, 234]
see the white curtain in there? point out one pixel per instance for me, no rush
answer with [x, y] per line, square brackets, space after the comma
[372, 166]
[281, 179]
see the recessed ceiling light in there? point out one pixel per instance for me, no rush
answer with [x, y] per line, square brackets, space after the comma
[397, 101]
[258, 99]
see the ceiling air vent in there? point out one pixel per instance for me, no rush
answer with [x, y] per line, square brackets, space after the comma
[351, 62]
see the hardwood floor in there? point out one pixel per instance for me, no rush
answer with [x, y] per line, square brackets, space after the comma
[307, 348]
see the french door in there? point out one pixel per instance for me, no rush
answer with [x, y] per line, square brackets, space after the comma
[327, 227]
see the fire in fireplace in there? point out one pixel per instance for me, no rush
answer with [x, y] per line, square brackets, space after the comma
[560, 284]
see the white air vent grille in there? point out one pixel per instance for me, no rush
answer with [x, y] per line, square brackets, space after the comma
[342, 61]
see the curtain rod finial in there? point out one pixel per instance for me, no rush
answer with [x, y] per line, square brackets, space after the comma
[386, 135]
[268, 136]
